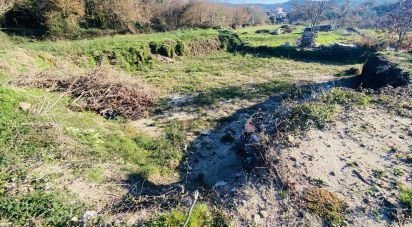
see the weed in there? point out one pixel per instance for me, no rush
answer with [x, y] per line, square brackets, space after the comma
[326, 205]
[283, 194]
[379, 174]
[307, 115]
[201, 216]
[405, 196]
[347, 97]
[398, 172]
[95, 176]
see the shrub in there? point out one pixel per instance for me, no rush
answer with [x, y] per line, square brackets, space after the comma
[406, 196]
[230, 41]
[372, 43]
[47, 17]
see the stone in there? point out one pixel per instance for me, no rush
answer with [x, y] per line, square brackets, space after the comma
[220, 184]
[256, 218]
[291, 139]
[263, 214]
[25, 106]
[89, 215]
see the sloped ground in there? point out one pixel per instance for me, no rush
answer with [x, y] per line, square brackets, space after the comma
[128, 171]
[350, 171]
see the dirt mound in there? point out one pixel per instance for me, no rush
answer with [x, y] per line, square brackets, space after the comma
[379, 72]
[97, 91]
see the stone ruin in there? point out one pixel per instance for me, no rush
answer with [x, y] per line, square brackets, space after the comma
[307, 40]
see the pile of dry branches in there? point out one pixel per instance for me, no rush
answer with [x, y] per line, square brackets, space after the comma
[97, 91]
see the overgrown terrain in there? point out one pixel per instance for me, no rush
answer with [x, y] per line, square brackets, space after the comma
[124, 129]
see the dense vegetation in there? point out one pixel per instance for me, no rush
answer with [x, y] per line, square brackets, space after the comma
[72, 19]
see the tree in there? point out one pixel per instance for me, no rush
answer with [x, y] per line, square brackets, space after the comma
[313, 11]
[316, 11]
[398, 19]
[343, 13]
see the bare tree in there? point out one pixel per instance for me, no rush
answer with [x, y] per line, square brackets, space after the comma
[398, 19]
[312, 11]
[316, 11]
[343, 13]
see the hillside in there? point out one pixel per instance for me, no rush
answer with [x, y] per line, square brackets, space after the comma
[210, 126]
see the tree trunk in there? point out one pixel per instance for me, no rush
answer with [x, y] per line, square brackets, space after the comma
[401, 36]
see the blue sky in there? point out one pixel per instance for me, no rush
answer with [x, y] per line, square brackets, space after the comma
[254, 1]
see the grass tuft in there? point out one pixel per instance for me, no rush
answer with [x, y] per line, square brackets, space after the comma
[326, 205]
[405, 196]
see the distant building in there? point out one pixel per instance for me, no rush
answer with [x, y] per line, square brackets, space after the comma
[277, 15]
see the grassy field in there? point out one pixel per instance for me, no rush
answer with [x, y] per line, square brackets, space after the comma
[250, 36]
[52, 154]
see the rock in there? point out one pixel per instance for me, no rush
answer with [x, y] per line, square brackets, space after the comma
[263, 214]
[379, 72]
[89, 215]
[249, 128]
[256, 218]
[75, 219]
[25, 106]
[291, 139]
[220, 184]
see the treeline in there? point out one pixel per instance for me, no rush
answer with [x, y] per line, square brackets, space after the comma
[73, 18]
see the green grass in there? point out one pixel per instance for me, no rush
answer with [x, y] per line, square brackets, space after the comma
[95, 176]
[405, 196]
[347, 97]
[251, 38]
[40, 208]
[313, 114]
[25, 139]
[201, 216]
[64, 48]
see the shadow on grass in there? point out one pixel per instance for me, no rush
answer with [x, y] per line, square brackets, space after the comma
[215, 95]
[331, 55]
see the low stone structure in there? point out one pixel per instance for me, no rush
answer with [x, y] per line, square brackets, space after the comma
[307, 40]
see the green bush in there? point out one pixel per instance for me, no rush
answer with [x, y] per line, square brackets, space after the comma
[230, 41]
[49, 17]
[59, 25]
